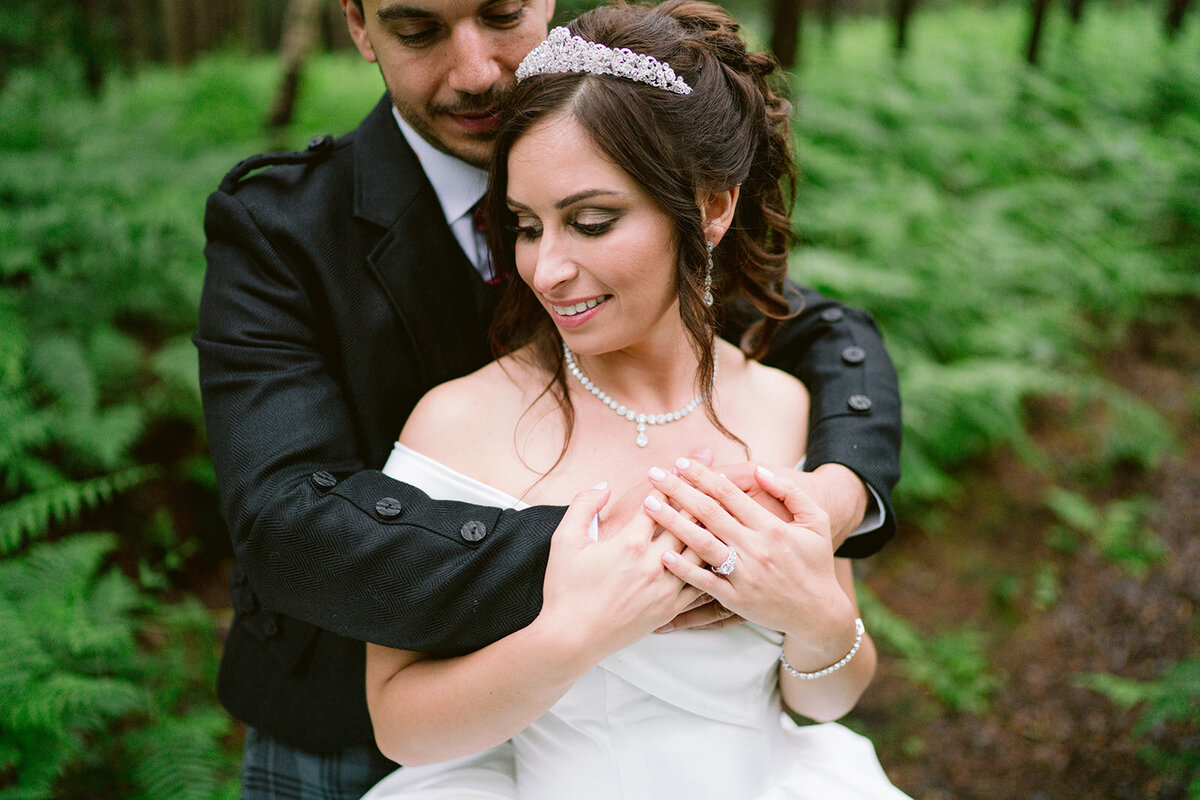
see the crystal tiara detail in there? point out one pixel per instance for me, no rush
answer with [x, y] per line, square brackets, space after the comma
[561, 52]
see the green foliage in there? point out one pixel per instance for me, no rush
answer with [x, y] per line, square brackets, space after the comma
[953, 665]
[32, 514]
[81, 693]
[1002, 223]
[1118, 531]
[1171, 700]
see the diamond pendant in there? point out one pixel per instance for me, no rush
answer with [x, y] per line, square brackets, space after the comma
[643, 439]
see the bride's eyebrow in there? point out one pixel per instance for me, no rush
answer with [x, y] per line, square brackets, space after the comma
[570, 200]
[586, 194]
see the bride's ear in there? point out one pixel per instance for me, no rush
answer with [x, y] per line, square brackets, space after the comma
[716, 209]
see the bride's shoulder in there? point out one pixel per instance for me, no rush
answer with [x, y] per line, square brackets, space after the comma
[770, 388]
[468, 412]
[773, 408]
[775, 385]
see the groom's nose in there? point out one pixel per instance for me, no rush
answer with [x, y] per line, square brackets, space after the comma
[475, 61]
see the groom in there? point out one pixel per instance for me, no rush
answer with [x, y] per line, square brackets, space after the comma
[345, 281]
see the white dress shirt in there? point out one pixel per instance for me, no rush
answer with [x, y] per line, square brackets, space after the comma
[458, 186]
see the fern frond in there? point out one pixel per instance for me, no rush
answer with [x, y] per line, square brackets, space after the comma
[78, 702]
[181, 758]
[32, 514]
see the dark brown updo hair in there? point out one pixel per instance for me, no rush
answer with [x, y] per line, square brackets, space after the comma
[732, 129]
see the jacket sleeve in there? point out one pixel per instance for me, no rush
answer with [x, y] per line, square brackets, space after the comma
[854, 419]
[321, 537]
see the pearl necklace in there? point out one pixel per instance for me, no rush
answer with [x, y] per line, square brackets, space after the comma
[642, 420]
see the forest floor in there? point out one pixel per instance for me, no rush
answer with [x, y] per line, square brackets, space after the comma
[1044, 735]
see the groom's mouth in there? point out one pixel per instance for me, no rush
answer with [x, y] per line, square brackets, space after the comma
[477, 121]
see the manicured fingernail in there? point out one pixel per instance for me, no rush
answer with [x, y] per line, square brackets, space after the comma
[682, 463]
[652, 503]
[766, 473]
[657, 474]
[601, 485]
[670, 558]
[665, 628]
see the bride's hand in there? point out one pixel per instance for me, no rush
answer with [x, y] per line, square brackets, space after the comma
[600, 596]
[783, 575]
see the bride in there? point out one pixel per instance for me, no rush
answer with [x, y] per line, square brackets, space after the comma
[642, 194]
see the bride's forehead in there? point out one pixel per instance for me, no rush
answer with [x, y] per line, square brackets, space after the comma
[558, 152]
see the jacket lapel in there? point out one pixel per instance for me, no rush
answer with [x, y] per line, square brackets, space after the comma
[436, 292]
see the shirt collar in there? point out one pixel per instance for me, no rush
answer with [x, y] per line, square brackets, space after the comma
[457, 184]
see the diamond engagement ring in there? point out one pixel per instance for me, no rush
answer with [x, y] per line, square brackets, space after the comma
[726, 566]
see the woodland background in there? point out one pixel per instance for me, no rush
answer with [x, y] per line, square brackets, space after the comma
[1013, 189]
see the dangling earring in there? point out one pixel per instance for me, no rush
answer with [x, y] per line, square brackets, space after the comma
[708, 272]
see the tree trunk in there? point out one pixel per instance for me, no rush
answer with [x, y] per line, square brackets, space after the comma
[786, 27]
[299, 34]
[828, 9]
[902, 10]
[88, 41]
[1176, 10]
[1037, 21]
[1075, 9]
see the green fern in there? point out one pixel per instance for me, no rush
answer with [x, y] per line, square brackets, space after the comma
[82, 689]
[952, 665]
[32, 514]
[1171, 700]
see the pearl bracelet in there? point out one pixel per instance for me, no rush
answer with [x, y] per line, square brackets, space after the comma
[859, 630]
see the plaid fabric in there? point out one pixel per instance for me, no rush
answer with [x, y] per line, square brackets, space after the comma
[274, 771]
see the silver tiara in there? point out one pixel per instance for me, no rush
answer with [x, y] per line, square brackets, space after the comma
[562, 52]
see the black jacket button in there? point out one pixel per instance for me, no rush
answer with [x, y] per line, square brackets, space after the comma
[832, 314]
[270, 627]
[323, 480]
[854, 355]
[859, 402]
[388, 507]
[473, 531]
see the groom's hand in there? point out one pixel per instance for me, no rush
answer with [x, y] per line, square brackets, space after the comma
[703, 614]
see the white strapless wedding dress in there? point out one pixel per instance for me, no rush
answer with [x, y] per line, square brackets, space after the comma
[691, 715]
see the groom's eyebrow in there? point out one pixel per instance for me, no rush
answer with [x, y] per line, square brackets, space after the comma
[394, 12]
[584, 195]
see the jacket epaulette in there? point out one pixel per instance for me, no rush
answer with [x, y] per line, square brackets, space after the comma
[319, 147]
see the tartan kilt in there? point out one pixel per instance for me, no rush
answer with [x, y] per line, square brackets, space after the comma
[273, 770]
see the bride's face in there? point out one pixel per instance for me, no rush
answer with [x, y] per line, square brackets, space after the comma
[595, 249]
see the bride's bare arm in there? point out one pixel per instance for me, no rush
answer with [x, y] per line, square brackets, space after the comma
[598, 597]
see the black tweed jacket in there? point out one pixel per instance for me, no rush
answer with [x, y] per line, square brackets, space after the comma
[335, 297]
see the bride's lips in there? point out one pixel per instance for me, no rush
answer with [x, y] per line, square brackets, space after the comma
[477, 121]
[579, 317]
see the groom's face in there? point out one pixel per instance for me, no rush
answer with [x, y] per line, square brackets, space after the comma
[445, 62]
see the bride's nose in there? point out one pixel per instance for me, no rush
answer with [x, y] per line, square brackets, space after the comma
[554, 266]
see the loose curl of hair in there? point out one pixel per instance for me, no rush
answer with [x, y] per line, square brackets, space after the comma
[733, 129]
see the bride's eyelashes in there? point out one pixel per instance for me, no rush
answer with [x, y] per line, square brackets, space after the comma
[588, 224]
[525, 231]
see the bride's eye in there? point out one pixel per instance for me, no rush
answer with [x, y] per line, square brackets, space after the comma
[594, 224]
[525, 228]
